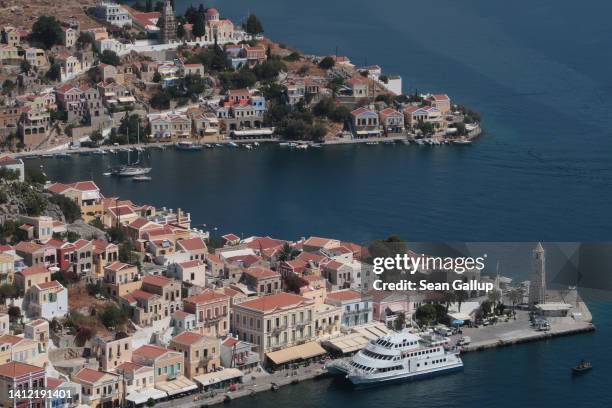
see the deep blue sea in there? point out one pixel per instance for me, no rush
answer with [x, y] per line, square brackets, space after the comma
[539, 73]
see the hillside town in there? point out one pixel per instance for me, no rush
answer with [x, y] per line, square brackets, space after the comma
[114, 303]
[117, 74]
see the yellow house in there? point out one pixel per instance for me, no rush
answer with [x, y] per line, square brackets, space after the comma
[7, 270]
[121, 279]
[15, 348]
[99, 388]
[86, 194]
[202, 353]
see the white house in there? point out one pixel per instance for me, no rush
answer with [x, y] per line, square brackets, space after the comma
[47, 300]
[113, 13]
[111, 44]
[9, 163]
[356, 306]
[193, 272]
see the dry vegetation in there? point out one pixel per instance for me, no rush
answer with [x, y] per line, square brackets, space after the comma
[23, 13]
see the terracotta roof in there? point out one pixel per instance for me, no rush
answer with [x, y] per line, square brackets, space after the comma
[34, 270]
[230, 342]
[246, 260]
[310, 256]
[12, 340]
[263, 243]
[440, 97]
[206, 296]
[346, 294]
[182, 314]
[128, 367]
[150, 351]
[88, 375]
[334, 265]
[261, 273]
[28, 246]
[273, 302]
[317, 241]
[80, 243]
[141, 294]
[8, 160]
[187, 338]
[49, 285]
[191, 264]
[14, 369]
[192, 244]
[53, 383]
[231, 237]
[156, 280]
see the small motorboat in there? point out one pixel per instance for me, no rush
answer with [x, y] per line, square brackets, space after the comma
[462, 142]
[256, 144]
[248, 146]
[108, 173]
[232, 144]
[582, 367]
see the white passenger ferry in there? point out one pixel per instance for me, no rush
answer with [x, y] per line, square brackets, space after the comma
[401, 356]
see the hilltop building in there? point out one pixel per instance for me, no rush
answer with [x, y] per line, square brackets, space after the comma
[167, 24]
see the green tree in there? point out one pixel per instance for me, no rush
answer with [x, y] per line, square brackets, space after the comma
[160, 101]
[7, 87]
[198, 26]
[426, 315]
[113, 316]
[400, 321]
[54, 73]
[47, 31]
[69, 208]
[180, 31]
[96, 137]
[14, 313]
[157, 77]
[460, 297]
[253, 25]
[25, 66]
[327, 63]
[35, 176]
[110, 57]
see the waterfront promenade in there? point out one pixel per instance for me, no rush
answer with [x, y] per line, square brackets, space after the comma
[259, 383]
[483, 338]
[520, 331]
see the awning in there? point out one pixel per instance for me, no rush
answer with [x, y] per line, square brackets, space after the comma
[460, 316]
[301, 352]
[176, 386]
[358, 339]
[143, 396]
[395, 307]
[218, 376]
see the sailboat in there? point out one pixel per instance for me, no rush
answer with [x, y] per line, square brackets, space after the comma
[131, 170]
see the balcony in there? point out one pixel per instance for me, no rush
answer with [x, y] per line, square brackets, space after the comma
[278, 329]
[214, 319]
[357, 312]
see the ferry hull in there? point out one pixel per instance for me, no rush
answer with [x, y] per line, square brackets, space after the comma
[362, 382]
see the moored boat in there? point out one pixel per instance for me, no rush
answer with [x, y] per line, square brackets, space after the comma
[400, 356]
[462, 142]
[188, 146]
